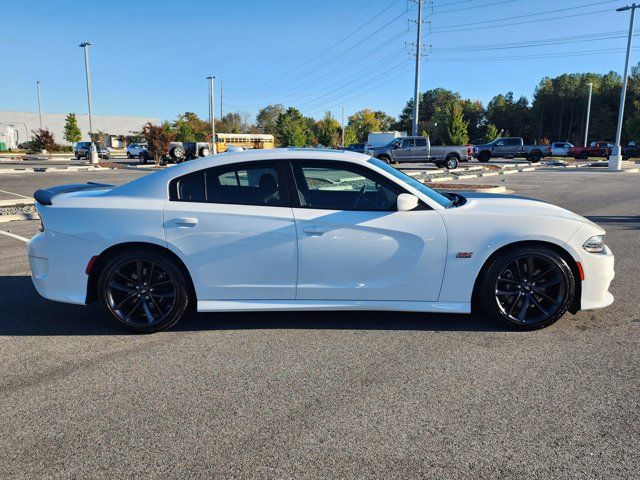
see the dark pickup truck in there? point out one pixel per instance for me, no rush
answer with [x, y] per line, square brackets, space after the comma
[595, 149]
[510, 147]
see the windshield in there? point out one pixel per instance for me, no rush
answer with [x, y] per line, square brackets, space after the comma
[395, 140]
[421, 187]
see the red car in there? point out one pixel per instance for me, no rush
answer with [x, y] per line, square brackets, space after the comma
[595, 149]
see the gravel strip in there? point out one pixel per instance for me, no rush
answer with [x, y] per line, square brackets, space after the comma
[17, 210]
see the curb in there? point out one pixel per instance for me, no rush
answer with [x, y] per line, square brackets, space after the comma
[18, 217]
[16, 203]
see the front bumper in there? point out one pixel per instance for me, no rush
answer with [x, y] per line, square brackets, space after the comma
[598, 273]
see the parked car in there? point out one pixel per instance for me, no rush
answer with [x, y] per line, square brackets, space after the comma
[419, 149]
[357, 147]
[302, 229]
[81, 150]
[630, 151]
[560, 149]
[510, 147]
[135, 149]
[175, 154]
[595, 149]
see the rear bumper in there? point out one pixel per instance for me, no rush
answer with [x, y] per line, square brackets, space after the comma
[598, 274]
[58, 265]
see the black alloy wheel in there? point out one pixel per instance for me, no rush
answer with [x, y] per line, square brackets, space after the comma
[528, 288]
[144, 291]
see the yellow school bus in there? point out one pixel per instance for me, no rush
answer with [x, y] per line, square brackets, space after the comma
[246, 140]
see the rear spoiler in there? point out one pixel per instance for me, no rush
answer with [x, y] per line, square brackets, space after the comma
[45, 196]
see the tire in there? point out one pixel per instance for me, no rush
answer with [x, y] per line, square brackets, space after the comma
[439, 164]
[129, 156]
[386, 159]
[177, 154]
[78, 157]
[204, 152]
[451, 161]
[484, 156]
[583, 156]
[511, 294]
[535, 156]
[142, 159]
[156, 296]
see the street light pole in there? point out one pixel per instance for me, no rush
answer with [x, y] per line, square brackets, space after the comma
[92, 148]
[416, 87]
[615, 160]
[586, 127]
[212, 114]
[39, 103]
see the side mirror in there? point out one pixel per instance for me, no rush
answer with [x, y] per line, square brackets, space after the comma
[406, 202]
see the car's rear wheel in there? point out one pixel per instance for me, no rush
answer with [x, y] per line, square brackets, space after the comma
[451, 162]
[204, 151]
[527, 288]
[535, 157]
[583, 156]
[144, 291]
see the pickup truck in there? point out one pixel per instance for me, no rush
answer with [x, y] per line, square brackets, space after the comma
[419, 149]
[595, 149]
[510, 147]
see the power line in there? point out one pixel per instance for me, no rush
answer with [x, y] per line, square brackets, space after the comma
[437, 12]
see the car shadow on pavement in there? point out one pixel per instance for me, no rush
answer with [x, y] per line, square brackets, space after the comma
[25, 313]
[624, 222]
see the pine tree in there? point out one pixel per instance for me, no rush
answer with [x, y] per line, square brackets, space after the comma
[72, 133]
[292, 129]
[491, 134]
[457, 128]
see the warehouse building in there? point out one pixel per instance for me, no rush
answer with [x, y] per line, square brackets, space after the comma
[113, 126]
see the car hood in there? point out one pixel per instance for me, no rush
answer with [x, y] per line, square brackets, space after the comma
[500, 204]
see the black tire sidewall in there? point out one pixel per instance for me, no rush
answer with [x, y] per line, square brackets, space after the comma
[450, 159]
[484, 157]
[182, 293]
[487, 288]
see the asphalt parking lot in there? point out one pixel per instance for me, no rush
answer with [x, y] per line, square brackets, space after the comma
[325, 395]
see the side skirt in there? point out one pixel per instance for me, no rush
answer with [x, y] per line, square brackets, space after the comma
[328, 305]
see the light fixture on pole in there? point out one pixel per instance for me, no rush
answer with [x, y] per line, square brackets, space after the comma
[39, 104]
[615, 159]
[92, 148]
[211, 78]
[586, 126]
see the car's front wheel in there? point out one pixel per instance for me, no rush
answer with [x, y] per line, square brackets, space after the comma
[527, 288]
[145, 291]
[129, 156]
[142, 159]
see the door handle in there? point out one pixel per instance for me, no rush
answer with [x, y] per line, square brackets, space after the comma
[314, 231]
[186, 221]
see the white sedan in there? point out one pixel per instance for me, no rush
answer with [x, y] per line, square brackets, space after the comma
[309, 229]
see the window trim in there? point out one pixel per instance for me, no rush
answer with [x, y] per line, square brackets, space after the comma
[278, 165]
[294, 192]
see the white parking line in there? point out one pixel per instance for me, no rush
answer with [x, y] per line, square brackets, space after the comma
[16, 194]
[13, 235]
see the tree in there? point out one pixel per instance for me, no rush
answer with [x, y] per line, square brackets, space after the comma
[292, 129]
[350, 136]
[267, 118]
[515, 115]
[457, 128]
[328, 131]
[43, 140]
[491, 133]
[158, 139]
[72, 133]
[387, 122]
[99, 138]
[189, 127]
[364, 122]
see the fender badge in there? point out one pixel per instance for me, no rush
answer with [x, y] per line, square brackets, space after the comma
[464, 254]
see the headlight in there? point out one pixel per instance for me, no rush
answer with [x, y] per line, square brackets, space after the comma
[594, 244]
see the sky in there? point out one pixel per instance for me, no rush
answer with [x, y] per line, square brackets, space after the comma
[152, 58]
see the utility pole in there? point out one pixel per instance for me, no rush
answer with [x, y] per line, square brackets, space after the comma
[221, 114]
[416, 89]
[212, 114]
[39, 104]
[615, 160]
[342, 123]
[92, 148]
[586, 126]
